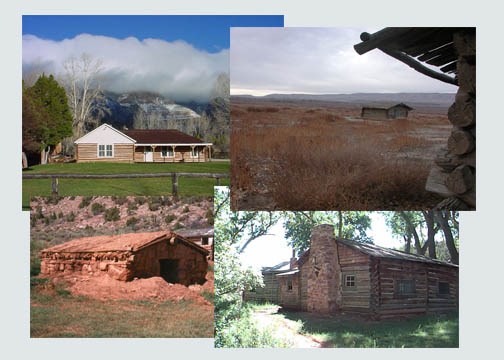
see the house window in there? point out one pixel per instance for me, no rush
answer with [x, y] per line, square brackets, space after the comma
[289, 285]
[204, 240]
[349, 280]
[195, 152]
[105, 151]
[444, 288]
[405, 287]
[167, 151]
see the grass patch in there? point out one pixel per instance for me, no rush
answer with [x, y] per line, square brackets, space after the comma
[59, 314]
[432, 331]
[122, 187]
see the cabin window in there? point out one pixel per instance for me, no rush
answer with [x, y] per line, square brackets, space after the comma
[105, 151]
[195, 152]
[405, 287]
[350, 281]
[289, 285]
[204, 240]
[167, 151]
[444, 288]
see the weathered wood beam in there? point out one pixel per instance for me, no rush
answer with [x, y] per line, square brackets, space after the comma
[461, 142]
[462, 113]
[373, 41]
[411, 62]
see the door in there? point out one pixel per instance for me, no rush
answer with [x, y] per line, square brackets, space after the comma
[148, 157]
[168, 270]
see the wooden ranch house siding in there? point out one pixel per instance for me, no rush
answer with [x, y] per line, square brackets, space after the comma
[397, 111]
[271, 291]
[128, 256]
[347, 276]
[161, 146]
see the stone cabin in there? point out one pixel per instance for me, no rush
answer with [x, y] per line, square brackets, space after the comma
[342, 276]
[128, 256]
[397, 111]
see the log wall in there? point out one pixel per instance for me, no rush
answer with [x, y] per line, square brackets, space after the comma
[386, 301]
[289, 298]
[355, 263]
[454, 173]
[89, 153]
[268, 293]
[370, 113]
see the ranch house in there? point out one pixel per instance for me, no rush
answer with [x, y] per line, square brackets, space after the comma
[128, 256]
[108, 144]
[342, 276]
[397, 111]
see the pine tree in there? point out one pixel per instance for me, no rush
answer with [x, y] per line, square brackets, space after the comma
[51, 120]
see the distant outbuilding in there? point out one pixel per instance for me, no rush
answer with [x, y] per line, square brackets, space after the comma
[396, 111]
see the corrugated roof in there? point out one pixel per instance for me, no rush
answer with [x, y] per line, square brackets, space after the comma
[170, 136]
[123, 242]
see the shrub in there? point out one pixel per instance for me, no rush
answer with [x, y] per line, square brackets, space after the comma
[60, 215]
[178, 225]
[141, 200]
[70, 217]
[112, 214]
[186, 209]
[97, 208]
[86, 200]
[119, 200]
[154, 206]
[209, 215]
[132, 221]
[169, 218]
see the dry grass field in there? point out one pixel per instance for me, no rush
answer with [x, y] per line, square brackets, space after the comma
[321, 156]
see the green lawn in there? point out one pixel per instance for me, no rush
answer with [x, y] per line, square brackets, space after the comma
[63, 315]
[122, 187]
[433, 331]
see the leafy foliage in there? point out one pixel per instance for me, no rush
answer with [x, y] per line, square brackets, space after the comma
[298, 226]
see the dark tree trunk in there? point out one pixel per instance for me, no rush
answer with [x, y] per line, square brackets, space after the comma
[407, 240]
[340, 225]
[431, 232]
[442, 218]
[412, 232]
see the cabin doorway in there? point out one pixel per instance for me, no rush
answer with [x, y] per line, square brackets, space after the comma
[148, 155]
[168, 270]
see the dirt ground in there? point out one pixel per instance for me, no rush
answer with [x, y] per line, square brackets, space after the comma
[152, 289]
[305, 157]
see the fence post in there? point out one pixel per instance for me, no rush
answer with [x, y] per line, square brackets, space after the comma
[54, 186]
[175, 184]
[218, 181]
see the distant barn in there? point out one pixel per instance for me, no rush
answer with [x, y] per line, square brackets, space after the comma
[397, 111]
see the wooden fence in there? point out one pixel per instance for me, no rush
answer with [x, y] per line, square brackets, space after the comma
[174, 178]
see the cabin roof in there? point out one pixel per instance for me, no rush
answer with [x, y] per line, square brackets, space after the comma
[387, 106]
[417, 45]
[281, 267]
[188, 233]
[123, 242]
[381, 252]
[170, 136]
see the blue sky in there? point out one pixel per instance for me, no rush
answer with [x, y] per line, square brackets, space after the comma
[204, 32]
[177, 56]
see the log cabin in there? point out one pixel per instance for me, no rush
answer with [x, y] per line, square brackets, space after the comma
[128, 256]
[343, 276]
[204, 237]
[397, 111]
[107, 144]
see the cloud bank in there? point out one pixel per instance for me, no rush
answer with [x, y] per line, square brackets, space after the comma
[174, 69]
[318, 61]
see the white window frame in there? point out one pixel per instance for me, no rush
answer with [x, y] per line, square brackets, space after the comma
[169, 150]
[195, 152]
[107, 148]
[350, 281]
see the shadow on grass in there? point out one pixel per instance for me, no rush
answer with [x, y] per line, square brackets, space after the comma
[428, 331]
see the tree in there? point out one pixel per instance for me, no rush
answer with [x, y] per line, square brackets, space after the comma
[81, 83]
[298, 226]
[448, 221]
[46, 116]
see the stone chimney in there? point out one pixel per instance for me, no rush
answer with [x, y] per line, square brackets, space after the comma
[293, 261]
[324, 288]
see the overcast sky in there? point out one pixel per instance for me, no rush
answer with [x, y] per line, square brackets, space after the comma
[317, 61]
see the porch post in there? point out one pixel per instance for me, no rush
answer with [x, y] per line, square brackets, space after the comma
[174, 154]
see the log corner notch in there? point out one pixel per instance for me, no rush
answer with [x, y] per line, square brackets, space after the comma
[451, 54]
